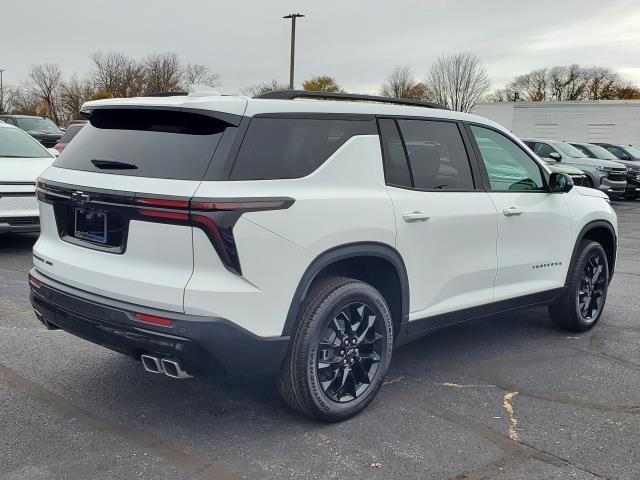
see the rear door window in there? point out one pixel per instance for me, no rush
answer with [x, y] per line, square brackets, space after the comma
[156, 143]
[437, 157]
[396, 168]
[279, 148]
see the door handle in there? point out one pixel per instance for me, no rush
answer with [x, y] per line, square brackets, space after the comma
[414, 217]
[512, 211]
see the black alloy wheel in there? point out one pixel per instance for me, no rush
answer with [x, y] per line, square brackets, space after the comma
[340, 350]
[581, 303]
[349, 352]
[592, 285]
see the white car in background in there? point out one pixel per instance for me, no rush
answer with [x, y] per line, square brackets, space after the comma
[22, 160]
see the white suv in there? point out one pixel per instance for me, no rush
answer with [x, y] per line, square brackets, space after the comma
[310, 238]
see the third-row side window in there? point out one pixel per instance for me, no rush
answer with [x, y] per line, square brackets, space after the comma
[437, 158]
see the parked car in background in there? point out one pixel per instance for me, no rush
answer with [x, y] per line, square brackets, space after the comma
[70, 132]
[623, 152]
[632, 165]
[41, 128]
[22, 160]
[605, 175]
[578, 176]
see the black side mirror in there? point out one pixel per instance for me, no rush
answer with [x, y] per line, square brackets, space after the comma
[560, 183]
[555, 156]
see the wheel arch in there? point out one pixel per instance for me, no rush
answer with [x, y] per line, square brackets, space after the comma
[602, 232]
[361, 260]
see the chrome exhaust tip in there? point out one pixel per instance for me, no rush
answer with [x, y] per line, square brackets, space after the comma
[151, 364]
[43, 320]
[172, 369]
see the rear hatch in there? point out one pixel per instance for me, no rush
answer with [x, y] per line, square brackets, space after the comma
[107, 205]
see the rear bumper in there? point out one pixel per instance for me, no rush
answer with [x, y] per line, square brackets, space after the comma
[19, 225]
[199, 343]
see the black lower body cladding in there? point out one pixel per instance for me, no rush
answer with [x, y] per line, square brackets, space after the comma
[200, 344]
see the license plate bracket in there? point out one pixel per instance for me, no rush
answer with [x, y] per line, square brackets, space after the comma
[90, 225]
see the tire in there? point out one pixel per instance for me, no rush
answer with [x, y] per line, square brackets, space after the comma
[583, 300]
[325, 375]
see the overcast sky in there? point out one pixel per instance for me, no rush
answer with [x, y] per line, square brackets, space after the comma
[357, 42]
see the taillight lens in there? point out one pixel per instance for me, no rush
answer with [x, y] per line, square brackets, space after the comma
[34, 281]
[215, 217]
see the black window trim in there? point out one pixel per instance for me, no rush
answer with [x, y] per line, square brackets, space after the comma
[476, 174]
[354, 117]
[483, 169]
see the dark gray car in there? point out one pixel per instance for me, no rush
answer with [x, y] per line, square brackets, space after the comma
[605, 175]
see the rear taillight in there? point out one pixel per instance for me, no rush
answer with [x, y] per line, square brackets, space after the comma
[215, 217]
[34, 281]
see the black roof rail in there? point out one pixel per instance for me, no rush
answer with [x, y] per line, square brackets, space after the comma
[166, 94]
[293, 94]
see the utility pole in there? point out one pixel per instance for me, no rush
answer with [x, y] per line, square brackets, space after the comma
[293, 17]
[1, 92]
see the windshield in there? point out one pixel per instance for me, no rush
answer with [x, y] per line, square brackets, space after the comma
[633, 151]
[35, 123]
[602, 153]
[15, 143]
[569, 150]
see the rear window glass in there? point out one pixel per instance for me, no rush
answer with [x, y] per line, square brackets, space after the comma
[277, 148]
[158, 143]
[70, 132]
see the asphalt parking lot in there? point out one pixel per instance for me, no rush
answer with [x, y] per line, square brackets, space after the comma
[507, 397]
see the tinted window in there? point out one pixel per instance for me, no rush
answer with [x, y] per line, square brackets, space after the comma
[276, 148]
[160, 143]
[15, 143]
[585, 150]
[596, 151]
[508, 166]
[70, 132]
[37, 124]
[543, 149]
[618, 152]
[437, 157]
[396, 169]
[569, 150]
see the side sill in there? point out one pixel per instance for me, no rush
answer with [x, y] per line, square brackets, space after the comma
[417, 328]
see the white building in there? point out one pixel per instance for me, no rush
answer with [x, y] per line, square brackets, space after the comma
[614, 121]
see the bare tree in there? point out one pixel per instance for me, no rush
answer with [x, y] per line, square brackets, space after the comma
[116, 74]
[74, 93]
[44, 84]
[458, 81]
[399, 83]
[602, 83]
[571, 82]
[162, 73]
[198, 74]
[258, 88]
[19, 101]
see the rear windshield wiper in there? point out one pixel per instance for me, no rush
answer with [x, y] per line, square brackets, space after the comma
[107, 164]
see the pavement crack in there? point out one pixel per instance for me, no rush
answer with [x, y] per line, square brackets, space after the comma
[508, 406]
